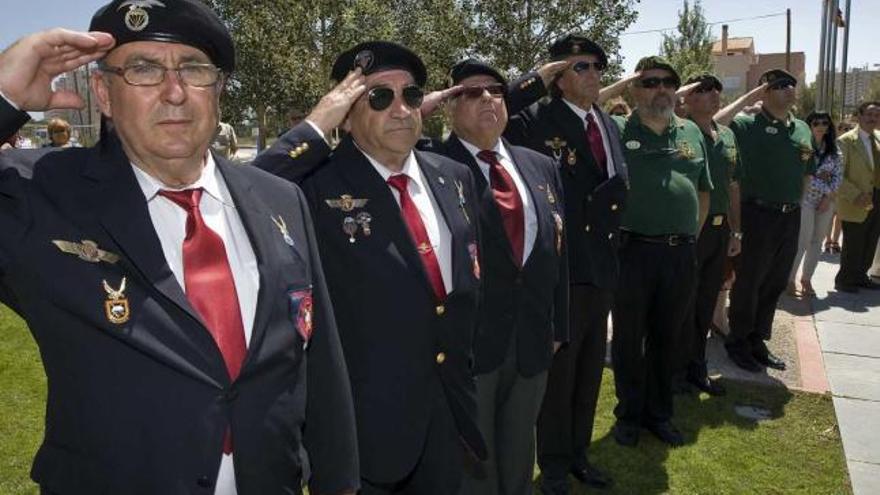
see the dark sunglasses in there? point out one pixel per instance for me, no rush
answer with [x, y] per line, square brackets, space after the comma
[785, 84]
[708, 86]
[474, 92]
[583, 65]
[817, 123]
[653, 82]
[381, 97]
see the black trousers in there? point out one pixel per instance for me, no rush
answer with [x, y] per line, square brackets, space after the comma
[656, 283]
[565, 423]
[859, 242]
[442, 463]
[769, 244]
[711, 255]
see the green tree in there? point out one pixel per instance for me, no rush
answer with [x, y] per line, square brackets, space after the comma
[690, 50]
[806, 102]
[514, 34]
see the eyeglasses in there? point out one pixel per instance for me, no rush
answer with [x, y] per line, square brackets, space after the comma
[474, 92]
[818, 123]
[708, 86]
[784, 84]
[381, 97]
[584, 65]
[653, 82]
[147, 74]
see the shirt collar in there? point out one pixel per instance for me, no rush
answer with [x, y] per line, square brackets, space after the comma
[410, 168]
[499, 149]
[580, 112]
[209, 181]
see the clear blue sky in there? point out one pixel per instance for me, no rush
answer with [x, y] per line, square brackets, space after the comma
[25, 16]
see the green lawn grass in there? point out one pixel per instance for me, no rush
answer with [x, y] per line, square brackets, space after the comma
[796, 452]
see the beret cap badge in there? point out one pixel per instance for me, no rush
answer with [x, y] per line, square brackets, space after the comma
[364, 60]
[137, 18]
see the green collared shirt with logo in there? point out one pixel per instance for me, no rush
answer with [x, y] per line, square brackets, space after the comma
[723, 165]
[774, 157]
[666, 171]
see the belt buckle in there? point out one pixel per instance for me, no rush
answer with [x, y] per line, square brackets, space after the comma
[673, 240]
[787, 207]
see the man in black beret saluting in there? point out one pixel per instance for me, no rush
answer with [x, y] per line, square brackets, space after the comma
[178, 300]
[397, 228]
[585, 146]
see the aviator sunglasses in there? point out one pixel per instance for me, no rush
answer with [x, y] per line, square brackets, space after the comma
[707, 86]
[474, 92]
[653, 82]
[583, 65]
[381, 97]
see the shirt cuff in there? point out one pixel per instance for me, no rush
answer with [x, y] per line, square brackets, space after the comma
[11, 103]
[317, 129]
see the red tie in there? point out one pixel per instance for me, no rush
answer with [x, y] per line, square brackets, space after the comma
[509, 203]
[419, 234]
[594, 137]
[210, 287]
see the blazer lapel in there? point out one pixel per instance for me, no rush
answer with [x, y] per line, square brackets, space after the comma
[494, 225]
[569, 122]
[256, 217]
[365, 182]
[122, 212]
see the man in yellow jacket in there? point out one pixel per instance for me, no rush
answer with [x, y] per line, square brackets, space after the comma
[858, 196]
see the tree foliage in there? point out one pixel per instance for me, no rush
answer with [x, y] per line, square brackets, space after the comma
[285, 48]
[690, 50]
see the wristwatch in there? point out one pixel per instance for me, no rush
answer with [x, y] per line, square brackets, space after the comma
[737, 235]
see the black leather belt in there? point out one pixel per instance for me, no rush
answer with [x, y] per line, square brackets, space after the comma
[770, 205]
[667, 239]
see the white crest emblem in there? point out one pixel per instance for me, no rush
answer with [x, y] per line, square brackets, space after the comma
[137, 17]
[633, 145]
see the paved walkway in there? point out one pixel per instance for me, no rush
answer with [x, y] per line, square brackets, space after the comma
[848, 326]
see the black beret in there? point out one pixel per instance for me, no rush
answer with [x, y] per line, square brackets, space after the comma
[656, 62]
[188, 22]
[574, 44]
[704, 77]
[379, 56]
[777, 76]
[472, 67]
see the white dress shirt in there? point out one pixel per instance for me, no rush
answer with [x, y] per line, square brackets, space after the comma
[432, 217]
[869, 146]
[582, 114]
[220, 215]
[531, 217]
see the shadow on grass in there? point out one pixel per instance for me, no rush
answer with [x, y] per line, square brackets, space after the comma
[645, 469]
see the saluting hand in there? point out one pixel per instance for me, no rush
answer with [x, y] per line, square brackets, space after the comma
[687, 89]
[432, 101]
[331, 111]
[549, 71]
[28, 67]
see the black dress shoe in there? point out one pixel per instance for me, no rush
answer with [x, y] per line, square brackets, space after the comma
[708, 385]
[626, 435]
[667, 433]
[591, 476]
[744, 360]
[851, 289]
[552, 486]
[769, 360]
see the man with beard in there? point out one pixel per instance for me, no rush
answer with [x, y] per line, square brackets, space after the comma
[524, 312]
[397, 229]
[777, 159]
[584, 142]
[719, 236]
[668, 201]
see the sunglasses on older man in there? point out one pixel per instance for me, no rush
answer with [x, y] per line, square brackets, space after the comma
[583, 65]
[474, 92]
[654, 82]
[381, 97]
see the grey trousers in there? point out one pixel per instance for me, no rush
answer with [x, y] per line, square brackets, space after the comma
[507, 407]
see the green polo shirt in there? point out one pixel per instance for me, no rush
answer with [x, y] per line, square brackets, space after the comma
[665, 172]
[723, 163]
[774, 157]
